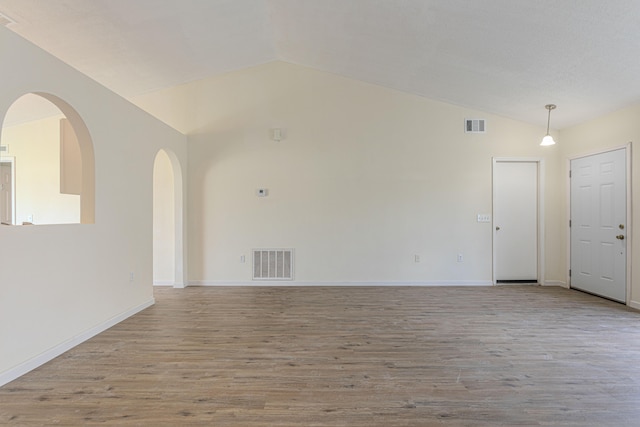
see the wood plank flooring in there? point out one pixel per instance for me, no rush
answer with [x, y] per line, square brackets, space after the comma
[386, 356]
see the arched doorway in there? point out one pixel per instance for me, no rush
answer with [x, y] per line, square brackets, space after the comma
[168, 221]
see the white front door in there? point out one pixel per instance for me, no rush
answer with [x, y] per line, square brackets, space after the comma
[599, 224]
[6, 194]
[515, 220]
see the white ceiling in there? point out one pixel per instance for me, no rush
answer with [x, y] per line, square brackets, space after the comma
[509, 57]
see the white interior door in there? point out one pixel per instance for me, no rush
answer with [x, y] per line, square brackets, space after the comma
[515, 216]
[599, 224]
[6, 194]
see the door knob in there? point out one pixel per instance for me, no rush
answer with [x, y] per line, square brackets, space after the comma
[620, 237]
[621, 226]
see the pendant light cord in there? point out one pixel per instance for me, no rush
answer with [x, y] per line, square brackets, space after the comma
[549, 107]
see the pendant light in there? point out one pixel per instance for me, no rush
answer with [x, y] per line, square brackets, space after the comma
[548, 139]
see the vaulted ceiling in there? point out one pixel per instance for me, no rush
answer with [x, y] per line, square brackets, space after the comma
[509, 57]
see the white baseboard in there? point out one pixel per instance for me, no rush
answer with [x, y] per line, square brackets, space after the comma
[41, 359]
[168, 284]
[294, 283]
[555, 283]
[162, 283]
[634, 304]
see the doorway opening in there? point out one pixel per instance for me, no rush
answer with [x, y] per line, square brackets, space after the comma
[168, 222]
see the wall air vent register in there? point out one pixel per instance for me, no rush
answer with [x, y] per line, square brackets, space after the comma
[273, 264]
[475, 126]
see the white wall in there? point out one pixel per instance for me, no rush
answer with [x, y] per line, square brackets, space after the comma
[36, 148]
[610, 131]
[365, 178]
[60, 283]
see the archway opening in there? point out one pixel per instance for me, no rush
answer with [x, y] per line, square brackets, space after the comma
[46, 164]
[164, 233]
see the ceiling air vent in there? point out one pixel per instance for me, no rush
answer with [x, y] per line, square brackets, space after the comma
[273, 264]
[475, 126]
[5, 21]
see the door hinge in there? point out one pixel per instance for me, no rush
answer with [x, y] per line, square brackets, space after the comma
[569, 272]
[569, 223]
[569, 174]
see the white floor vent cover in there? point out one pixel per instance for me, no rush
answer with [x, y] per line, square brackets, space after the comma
[475, 126]
[273, 264]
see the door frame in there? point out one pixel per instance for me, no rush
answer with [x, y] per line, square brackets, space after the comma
[629, 222]
[12, 161]
[540, 202]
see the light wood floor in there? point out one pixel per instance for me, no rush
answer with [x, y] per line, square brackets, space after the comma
[496, 356]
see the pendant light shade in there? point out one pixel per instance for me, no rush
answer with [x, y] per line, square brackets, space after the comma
[548, 139]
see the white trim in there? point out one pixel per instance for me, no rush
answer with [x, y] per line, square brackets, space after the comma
[31, 364]
[601, 151]
[629, 234]
[567, 220]
[390, 284]
[163, 283]
[556, 283]
[634, 304]
[168, 283]
[541, 222]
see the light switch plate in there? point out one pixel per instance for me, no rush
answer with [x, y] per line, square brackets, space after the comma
[484, 218]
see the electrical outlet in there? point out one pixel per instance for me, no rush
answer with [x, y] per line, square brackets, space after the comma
[416, 258]
[242, 259]
[460, 258]
[132, 276]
